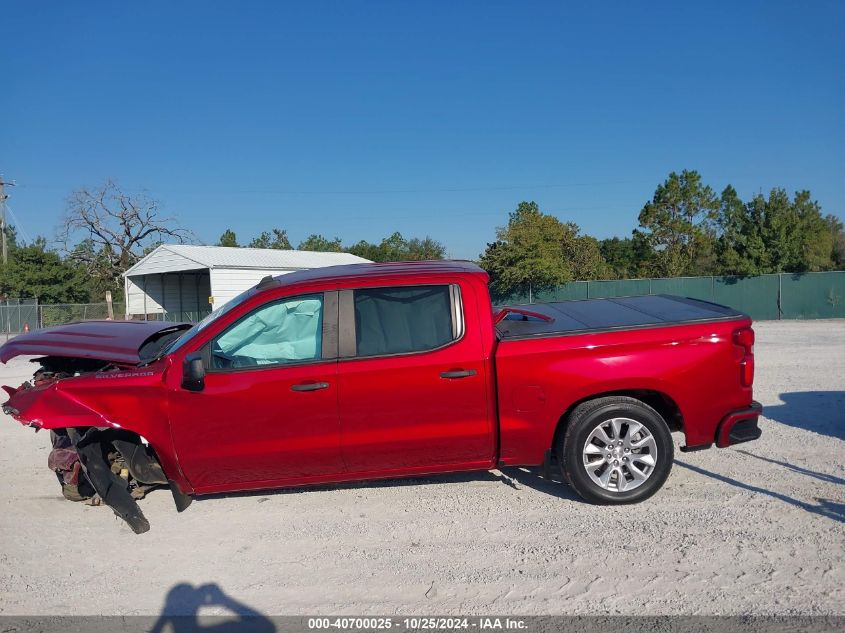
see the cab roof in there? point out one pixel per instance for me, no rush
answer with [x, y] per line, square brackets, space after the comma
[396, 270]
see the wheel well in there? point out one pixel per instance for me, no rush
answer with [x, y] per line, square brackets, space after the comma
[660, 402]
[140, 456]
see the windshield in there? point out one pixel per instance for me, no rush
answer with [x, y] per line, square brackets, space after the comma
[208, 320]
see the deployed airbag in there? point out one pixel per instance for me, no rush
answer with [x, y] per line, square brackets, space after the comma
[279, 332]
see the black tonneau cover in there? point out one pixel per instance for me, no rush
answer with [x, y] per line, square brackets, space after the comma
[621, 313]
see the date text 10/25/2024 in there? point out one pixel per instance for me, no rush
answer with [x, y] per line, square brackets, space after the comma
[418, 623]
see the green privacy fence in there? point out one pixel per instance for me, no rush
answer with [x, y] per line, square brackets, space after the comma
[779, 296]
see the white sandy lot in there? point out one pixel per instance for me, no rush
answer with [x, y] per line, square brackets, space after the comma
[756, 529]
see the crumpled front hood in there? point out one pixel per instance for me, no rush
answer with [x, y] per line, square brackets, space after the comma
[112, 341]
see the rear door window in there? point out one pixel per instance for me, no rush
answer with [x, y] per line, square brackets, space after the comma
[399, 320]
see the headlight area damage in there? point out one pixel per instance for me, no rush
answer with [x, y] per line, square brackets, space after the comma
[104, 422]
[91, 455]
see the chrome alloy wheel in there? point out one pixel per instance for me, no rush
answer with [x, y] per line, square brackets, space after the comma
[620, 454]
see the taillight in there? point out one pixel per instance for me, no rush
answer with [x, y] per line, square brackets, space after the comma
[744, 338]
[747, 371]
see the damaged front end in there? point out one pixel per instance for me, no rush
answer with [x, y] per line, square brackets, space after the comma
[94, 459]
[105, 417]
[119, 471]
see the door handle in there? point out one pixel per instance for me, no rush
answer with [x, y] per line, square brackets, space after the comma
[310, 386]
[458, 373]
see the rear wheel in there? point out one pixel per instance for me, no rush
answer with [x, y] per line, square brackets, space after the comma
[615, 450]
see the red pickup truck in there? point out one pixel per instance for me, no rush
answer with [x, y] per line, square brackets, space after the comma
[374, 371]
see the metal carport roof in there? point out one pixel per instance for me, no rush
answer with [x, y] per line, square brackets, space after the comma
[178, 257]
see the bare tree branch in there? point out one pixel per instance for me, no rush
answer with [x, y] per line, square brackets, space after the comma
[108, 230]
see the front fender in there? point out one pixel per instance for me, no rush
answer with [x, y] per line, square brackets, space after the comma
[131, 400]
[46, 407]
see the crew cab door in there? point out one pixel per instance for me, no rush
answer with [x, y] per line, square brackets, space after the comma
[412, 381]
[268, 409]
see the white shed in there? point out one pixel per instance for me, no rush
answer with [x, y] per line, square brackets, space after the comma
[183, 282]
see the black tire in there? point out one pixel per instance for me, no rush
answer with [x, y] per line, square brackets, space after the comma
[581, 423]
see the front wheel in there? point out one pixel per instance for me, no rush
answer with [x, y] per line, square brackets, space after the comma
[616, 450]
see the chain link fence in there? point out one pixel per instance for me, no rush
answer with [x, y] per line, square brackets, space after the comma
[61, 313]
[22, 315]
[39, 316]
[190, 316]
[18, 315]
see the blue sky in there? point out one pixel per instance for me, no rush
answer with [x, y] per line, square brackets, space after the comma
[430, 118]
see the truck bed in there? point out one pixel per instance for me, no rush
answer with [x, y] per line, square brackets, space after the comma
[620, 313]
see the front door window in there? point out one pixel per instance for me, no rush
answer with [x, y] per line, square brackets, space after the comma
[278, 333]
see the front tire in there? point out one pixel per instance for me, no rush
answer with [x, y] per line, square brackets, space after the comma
[615, 450]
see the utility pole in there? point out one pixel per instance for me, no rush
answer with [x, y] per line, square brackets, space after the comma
[3, 197]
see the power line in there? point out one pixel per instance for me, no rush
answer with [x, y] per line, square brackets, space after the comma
[447, 214]
[366, 192]
[18, 224]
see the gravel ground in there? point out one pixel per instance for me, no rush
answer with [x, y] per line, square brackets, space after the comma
[756, 529]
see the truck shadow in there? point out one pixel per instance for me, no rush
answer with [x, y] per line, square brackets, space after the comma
[181, 612]
[831, 479]
[512, 477]
[532, 477]
[826, 507]
[818, 411]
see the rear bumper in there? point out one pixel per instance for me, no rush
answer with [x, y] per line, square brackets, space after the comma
[739, 426]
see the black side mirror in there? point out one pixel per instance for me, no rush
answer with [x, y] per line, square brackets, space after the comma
[193, 373]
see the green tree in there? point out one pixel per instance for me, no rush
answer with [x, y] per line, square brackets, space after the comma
[316, 242]
[627, 257]
[35, 271]
[536, 251]
[228, 238]
[367, 250]
[277, 239]
[619, 255]
[817, 240]
[740, 246]
[393, 248]
[795, 235]
[679, 223]
[772, 234]
[837, 255]
[425, 249]
[396, 248]
[583, 253]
